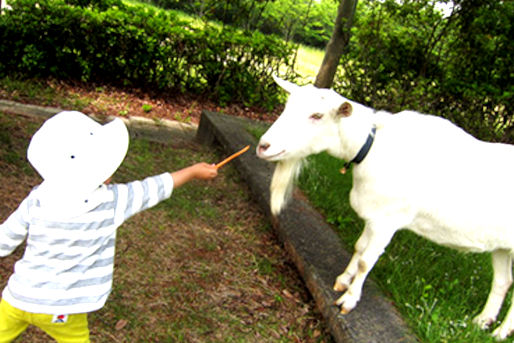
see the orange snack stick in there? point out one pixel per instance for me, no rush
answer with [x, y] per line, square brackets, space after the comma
[231, 157]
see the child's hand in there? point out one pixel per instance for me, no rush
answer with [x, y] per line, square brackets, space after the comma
[205, 171]
[201, 171]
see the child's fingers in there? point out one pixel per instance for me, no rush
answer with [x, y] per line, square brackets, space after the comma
[212, 171]
[206, 171]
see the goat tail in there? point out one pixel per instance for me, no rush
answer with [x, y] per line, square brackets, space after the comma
[286, 173]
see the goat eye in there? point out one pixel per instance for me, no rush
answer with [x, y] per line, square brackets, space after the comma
[316, 116]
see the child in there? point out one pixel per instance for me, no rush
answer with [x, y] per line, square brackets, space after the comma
[70, 223]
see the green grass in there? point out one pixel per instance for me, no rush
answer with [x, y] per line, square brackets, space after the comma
[41, 92]
[308, 62]
[32, 90]
[194, 21]
[12, 160]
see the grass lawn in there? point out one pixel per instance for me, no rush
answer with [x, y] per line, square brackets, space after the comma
[308, 62]
[203, 266]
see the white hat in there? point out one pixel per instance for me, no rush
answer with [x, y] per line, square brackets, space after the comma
[74, 154]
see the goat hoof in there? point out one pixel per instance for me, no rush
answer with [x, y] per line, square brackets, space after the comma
[340, 287]
[483, 322]
[499, 334]
[347, 303]
[345, 311]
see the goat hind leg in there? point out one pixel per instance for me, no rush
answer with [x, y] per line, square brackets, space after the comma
[502, 280]
[507, 326]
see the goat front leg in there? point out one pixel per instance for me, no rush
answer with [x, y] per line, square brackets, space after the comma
[502, 280]
[376, 238]
[344, 280]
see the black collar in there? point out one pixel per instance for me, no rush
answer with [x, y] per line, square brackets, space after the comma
[363, 152]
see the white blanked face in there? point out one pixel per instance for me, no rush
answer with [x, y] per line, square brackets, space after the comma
[305, 126]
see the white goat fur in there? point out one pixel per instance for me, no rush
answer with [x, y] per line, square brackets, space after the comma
[286, 171]
[422, 173]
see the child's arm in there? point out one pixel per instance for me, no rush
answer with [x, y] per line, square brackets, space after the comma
[13, 231]
[201, 171]
[137, 196]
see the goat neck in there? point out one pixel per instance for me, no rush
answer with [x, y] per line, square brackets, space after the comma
[352, 132]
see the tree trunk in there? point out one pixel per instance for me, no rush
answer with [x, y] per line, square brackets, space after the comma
[338, 41]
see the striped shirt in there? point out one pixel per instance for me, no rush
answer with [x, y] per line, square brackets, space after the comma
[68, 262]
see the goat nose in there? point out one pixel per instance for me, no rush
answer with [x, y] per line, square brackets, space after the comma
[263, 147]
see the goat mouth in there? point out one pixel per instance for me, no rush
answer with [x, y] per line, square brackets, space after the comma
[273, 157]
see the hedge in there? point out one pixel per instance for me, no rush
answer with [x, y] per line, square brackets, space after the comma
[141, 47]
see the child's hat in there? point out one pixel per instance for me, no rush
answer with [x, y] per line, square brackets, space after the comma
[74, 154]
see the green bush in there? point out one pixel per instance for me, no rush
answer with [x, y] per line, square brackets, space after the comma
[140, 47]
[407, 56]
[304, 21]
[99, 4]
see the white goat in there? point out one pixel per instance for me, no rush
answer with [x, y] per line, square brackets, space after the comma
[421, 173]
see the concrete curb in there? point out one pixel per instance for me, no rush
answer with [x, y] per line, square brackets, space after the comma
[13, 107]
[313, 245]
[161, 130]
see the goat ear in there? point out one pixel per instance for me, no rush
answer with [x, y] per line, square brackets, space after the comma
[286, 85]
[345, 110]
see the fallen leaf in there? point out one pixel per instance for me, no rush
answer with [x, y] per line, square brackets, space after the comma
[287, 294]
[120, 324]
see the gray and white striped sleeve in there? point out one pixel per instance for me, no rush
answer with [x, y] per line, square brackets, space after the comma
[138, 196]
[14, 230]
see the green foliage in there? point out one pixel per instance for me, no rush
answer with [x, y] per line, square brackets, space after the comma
[405, 55]
[392, 48]
[479, 75]
[306, 21]
[140, 47]
[99, 4]
[146, 108]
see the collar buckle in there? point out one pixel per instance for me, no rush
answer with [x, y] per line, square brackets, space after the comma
[363, 152]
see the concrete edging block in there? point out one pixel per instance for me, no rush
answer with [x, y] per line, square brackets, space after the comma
[158, 130]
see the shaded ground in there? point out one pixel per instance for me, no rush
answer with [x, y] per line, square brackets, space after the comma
[203, 266]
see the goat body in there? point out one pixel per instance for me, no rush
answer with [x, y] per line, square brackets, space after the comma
[422, 173]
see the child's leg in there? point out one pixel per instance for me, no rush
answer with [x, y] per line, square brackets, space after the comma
[12, 322]
[64, 329]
